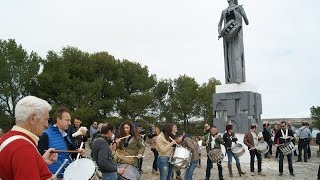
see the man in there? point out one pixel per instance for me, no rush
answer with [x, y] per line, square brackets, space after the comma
[102, 154]
[284, 135]
[308, 145]
[267, 137]
[56, 137]
[318, 142]
[77, 133]
[93, 129]
[212, 140]
[251, 139]
[206, 129]
[189, 143]
[18, 153]
[304, 134]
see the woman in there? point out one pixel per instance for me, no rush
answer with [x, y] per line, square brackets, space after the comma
[164, 146]
[228, 138]
[131, 145]
[155, 133]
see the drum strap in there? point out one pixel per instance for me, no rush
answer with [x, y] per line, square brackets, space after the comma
[13, 138]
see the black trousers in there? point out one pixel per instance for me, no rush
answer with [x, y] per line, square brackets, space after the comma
[303, 144]
[254, 153]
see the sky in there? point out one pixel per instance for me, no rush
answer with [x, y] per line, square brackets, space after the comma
[177, 37]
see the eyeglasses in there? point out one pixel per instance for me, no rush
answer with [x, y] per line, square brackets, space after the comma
[283, 126]
[206, 126]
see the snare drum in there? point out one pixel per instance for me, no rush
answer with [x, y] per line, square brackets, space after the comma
[230, 30]
[215, 155]
[262, 148]
[238, 150]
[181, 157]
[83, 170]
[287, 148]
[131, 172]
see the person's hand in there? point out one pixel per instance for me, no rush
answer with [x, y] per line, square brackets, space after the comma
[113, 146]
[121, 170]
[82, 131]
[82, 151]
[53, 177]
[49, 157]
[291, 137]
[173, 142]
[118, 141]
[139, 156]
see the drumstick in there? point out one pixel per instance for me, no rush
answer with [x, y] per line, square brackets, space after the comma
[64, 151]
[124, 137]
[134, 156]
[62, 165]
[78, 155]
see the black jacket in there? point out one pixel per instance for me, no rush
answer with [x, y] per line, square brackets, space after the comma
[266, 134]
[318, 139]
[102, 155]
[228, 139]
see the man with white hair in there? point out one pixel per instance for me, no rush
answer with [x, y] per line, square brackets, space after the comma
[19, 156]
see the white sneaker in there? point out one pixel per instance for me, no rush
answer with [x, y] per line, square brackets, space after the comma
[252, 173]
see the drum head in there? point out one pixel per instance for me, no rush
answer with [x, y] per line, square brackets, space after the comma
[131, 172]
[83, 170]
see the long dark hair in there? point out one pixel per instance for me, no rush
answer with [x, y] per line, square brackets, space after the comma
[132, 132]
[167, 129]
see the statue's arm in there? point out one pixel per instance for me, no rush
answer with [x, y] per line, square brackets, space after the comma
[220, 23]
[243, 13]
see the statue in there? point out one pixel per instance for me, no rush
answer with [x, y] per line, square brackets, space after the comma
[233, 41]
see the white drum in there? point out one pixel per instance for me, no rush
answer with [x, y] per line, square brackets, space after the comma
[238, 149]
[181, 157]
[83, 170]
[215, 155]
[287, 148]
[262, 148]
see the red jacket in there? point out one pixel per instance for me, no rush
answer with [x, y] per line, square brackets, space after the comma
[20, 160]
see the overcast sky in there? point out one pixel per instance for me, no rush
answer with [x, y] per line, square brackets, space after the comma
[176, 37]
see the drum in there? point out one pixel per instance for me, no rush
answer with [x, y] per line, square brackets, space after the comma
[120, 156]
[181, 157]
[287, 148]
[215, 155]
[131, 172]
[238, 150]
[230, 30]
[262, 148]
[83, 170]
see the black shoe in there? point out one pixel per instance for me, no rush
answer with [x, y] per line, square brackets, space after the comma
[292, 174]
[280, 174]
[298, 160]
[305, 160]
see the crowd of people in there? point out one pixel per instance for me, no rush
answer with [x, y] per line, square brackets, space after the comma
[47, 147]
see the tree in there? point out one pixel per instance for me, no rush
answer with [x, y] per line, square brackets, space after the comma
[315, 115]
[184, 106]
[135, 91]
[18, 73]
[162, 93]
[205, 98]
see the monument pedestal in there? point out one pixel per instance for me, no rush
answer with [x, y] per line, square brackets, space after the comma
[237, 104]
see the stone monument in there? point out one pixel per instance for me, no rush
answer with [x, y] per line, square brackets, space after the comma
[236, 102]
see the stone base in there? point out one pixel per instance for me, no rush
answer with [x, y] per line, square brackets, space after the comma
[239, 108]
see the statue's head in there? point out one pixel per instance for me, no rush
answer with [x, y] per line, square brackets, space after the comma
[233, 1]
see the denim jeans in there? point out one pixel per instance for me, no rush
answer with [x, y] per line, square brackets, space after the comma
[189, 171]
[230, 155]
[156, 154]
[110, 176]
[165, 168]
[209, 167]
[281, 157]
[254, 153]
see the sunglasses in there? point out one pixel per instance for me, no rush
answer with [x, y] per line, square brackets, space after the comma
[283, 126]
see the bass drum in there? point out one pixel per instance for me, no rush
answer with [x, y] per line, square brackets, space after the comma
[83, 169]
[230, 30]
[215, 155]
[131, 172]
[262, 148]
[238, 150]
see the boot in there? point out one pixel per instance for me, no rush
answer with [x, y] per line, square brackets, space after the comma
[230, 170]
[239, 170]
